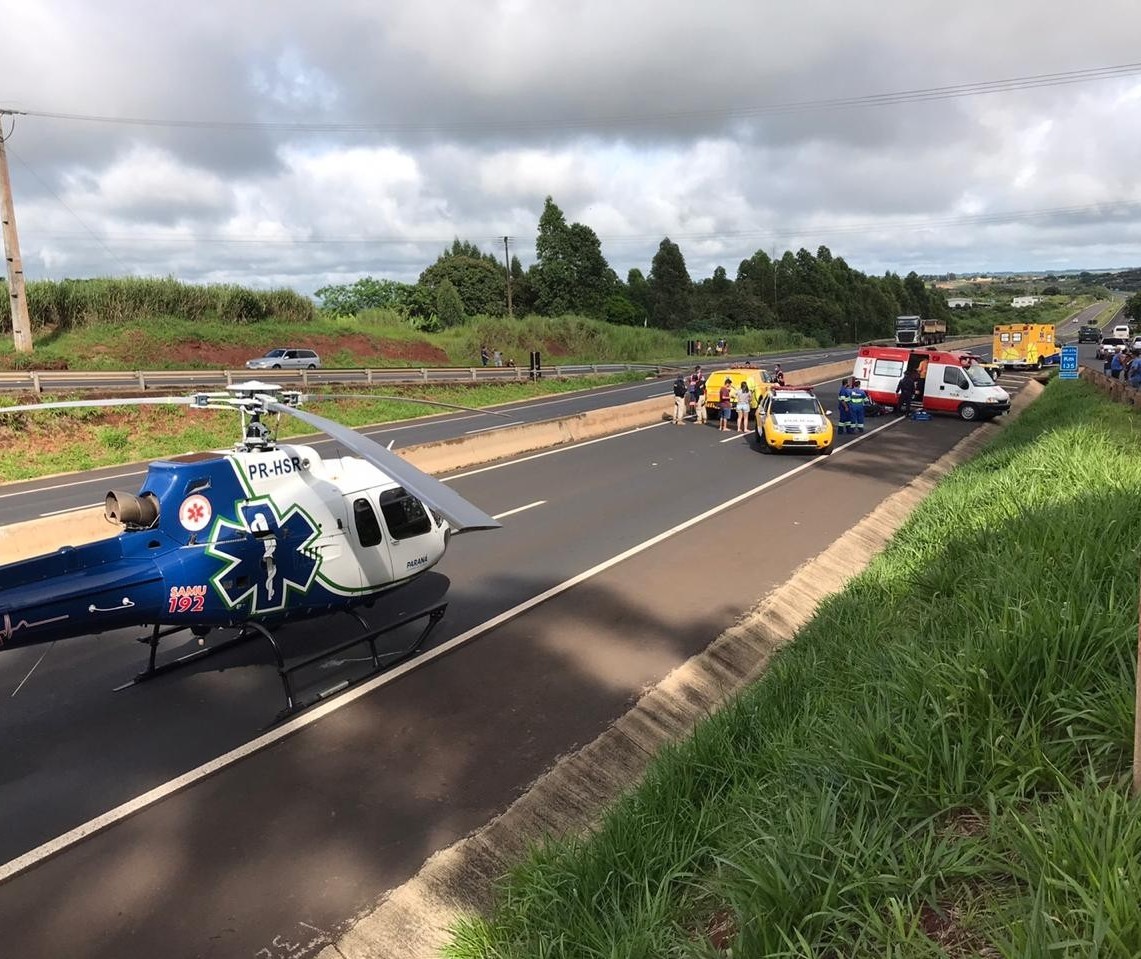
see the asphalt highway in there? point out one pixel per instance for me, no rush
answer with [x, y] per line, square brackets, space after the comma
[32, 499]
[618, 559]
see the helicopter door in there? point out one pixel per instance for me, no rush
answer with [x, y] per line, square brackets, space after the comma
[367, 541]
[409, 524]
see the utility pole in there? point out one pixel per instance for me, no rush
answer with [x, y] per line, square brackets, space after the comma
[17, 300]
[507, 263]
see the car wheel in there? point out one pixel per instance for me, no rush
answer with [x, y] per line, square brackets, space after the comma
[277, 366]
[968, 412]
[311, 366]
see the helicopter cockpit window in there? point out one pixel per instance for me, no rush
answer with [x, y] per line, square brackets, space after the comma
[404, 514]
[368, 526]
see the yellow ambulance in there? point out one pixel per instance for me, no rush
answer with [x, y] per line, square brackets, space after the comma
[1025, 345]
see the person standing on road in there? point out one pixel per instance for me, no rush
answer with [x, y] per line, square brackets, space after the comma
[905, 388]
[484, 355]
[680, 392]
[1115, 365]
[1135, 372]
[700, 397]
[845, 424]
[744, 402]
[725, 404]
[497, 357]
[778, 375]
[857, 401]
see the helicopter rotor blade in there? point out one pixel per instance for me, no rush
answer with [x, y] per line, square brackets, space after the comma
[460, 514]
[321, 397]
[80, 404]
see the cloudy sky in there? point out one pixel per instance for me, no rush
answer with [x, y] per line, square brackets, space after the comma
[298, 143]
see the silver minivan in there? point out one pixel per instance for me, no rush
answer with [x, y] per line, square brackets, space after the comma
[285, 359]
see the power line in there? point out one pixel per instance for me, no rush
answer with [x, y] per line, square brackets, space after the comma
[79, 220]
[1109, 208]
[921, 95]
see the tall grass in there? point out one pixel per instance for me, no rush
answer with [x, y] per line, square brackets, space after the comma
[63, 305]
[936, 766]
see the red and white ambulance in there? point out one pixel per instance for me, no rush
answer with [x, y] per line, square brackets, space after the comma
[952, 382]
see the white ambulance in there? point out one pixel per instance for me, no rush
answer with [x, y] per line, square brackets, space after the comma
[951, 382]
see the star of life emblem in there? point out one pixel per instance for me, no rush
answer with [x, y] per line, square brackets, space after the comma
[195, 513]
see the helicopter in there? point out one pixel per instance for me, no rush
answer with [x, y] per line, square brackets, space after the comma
[249, 538]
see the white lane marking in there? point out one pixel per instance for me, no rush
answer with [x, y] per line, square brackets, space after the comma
[739, 436]
[498, 426]
[70, 509]
[32, 670]
[149, 798]
[98, 479]
[520, 509]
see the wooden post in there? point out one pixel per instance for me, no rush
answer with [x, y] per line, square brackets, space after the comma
[21, 324]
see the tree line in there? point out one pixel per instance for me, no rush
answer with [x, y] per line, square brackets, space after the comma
[817, 295]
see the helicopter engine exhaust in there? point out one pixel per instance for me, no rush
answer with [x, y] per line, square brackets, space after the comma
[131, 511]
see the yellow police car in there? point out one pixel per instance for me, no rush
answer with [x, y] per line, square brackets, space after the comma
[793, 418]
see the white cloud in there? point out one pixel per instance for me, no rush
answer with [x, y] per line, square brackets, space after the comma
[642, 119]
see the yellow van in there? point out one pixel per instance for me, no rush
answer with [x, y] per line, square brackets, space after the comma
[759, 382]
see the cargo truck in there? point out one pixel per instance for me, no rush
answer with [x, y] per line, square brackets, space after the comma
[915, 331]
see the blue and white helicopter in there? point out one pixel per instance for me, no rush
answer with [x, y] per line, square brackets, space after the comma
[251, 537]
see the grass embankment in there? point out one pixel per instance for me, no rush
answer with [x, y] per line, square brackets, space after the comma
[937, 765]
[56, 441]
[375, 339]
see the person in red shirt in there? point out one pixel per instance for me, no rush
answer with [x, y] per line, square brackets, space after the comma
[725, 404]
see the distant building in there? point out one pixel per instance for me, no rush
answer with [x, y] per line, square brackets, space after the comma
[1020, 301]
[960, 302]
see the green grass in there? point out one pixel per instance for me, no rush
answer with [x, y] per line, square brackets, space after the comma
[937, 765]
[381, 338]
[983, 319]
[56, 441]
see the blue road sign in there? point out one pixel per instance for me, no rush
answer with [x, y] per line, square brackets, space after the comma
[1069, 369]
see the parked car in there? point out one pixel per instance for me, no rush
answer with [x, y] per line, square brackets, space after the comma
[286, 358]
[1110, 345]
[1089, 334]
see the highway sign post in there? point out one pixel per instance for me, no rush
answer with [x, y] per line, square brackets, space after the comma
[1069, 369]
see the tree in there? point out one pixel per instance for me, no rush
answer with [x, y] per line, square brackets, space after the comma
[670, 288]
[478, 278]
[365, 294]
[1133, 306]
[571, 275]
[449, 306]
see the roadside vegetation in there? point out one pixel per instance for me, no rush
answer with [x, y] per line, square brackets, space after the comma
[937, 766]
[55, 441]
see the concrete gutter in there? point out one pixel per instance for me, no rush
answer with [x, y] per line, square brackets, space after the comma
[36, 537]
[412, 921]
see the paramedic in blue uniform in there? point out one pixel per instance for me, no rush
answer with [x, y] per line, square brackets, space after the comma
[857, 400]
[905, 389]
[845, 424]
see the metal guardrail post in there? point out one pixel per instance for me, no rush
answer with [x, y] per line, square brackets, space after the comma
[142, 380]
[424, 375]
[473, 374]
[368, 377]
[594, 368]
[229, 377]
[36, 382]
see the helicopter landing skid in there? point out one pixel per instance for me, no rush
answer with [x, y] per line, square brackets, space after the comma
[380, 661]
